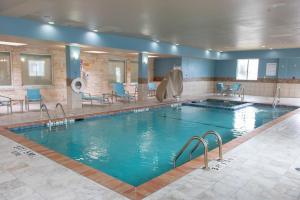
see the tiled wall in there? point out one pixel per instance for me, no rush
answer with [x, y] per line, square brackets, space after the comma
[94, 64]
[55, 92]
[290, 90]
[198, 87]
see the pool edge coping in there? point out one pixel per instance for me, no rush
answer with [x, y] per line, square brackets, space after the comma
[117, 185]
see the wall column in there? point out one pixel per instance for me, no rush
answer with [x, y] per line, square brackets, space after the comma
[143, 77]
[73, 71]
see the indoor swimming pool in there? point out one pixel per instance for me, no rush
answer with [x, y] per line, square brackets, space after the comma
[135, 147]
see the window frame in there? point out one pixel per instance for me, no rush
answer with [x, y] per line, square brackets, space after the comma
[125, 68]
[247, 75]
[135, 62]
[11, 70]
[52, 69]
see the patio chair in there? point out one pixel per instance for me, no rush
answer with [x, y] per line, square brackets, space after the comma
[33, 96]
[6, 101]
[152, 89]
[88, 97]
[220, 88]
[119, 92]
[235, 88]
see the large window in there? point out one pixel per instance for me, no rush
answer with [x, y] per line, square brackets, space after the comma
[5, 69]
[247, 69]
[116, 71]
[134, 71]
[36, 69]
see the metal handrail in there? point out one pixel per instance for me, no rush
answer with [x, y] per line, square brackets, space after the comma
[276, 99]
[243, 94]
[44, 108]
[61, 108]
[219, 140]
[200, 140]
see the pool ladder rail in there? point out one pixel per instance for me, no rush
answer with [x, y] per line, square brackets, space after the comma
[276, 99]
[51, 121]
[242, 94]
[59, 105]
[201, 140]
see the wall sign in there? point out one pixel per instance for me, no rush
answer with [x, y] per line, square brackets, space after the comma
[271, 69]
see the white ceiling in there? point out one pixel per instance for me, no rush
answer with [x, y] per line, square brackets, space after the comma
[216, 24]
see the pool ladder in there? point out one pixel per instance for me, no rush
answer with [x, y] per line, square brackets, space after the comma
[200, 140]
[276, 99]
[242, 94]
[59, 105]
[51, 122]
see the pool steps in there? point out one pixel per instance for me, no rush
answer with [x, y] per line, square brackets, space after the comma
[200, 140]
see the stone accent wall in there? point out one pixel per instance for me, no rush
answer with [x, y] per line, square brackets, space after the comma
[95, 65]
[55, 92]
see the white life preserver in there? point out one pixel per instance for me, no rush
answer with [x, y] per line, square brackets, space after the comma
[78, 85]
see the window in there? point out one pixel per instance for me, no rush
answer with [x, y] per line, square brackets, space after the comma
[134, 70]
[36, 69]
[247, 69]
[5, 69]
[116, 71]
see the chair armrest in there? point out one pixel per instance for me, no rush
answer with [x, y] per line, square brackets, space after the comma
[87, 94]
[5, 97]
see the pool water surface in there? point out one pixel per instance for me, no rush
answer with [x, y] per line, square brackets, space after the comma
[136, 147]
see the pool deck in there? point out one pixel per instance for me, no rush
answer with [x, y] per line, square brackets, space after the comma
[260, 165]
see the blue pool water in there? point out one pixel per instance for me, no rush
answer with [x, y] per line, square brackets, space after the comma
[136, 147]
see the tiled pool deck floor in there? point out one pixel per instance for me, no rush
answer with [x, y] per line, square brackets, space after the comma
[260, 167]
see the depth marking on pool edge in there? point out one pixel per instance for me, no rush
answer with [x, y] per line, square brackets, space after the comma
[19, 150]
[221, 164]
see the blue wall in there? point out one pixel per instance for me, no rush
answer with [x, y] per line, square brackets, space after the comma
[289, 68]
[288, 59]
[73, 62]
[227, 68]
[264, 54]
[41, 31]
[163, 65]
[191, 67]
[197, 68]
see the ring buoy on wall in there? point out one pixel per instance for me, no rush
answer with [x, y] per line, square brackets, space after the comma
[78, 85]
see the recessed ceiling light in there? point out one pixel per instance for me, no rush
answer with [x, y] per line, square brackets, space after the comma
[95, 30]
[263, 46]
[157, 41]
[12, 43]
[176, 44]
[95, 52]
[51, 22]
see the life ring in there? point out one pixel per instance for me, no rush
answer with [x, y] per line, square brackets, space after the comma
[78, 85]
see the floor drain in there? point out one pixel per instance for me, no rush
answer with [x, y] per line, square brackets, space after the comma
[298, 169]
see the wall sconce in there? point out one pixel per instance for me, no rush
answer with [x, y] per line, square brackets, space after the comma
[75, 55]
[145, 59]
